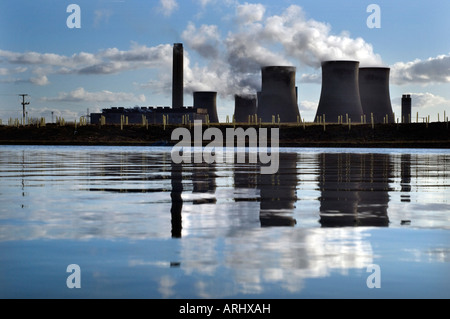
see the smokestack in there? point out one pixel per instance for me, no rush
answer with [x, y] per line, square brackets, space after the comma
[177, 76]
[278, 94]
[208, 101]
[406, 108]
[375, 95]
[340, 91]
[244, 105]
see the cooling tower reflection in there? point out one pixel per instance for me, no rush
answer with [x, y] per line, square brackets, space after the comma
[278, 193]
[354, 189]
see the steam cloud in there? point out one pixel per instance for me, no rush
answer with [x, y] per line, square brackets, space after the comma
[238, 57]
[231, 62]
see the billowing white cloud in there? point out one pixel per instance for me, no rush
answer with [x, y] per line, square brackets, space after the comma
[249, 13]
[81, 95]
[259, 40]
[40, 80]
[205, 40]
[6, 71]
[308, 105]
[168, 6]
[109, 61]
[432, 70]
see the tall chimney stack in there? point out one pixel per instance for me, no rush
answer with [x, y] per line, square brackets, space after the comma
[406, 108]
[177, 76]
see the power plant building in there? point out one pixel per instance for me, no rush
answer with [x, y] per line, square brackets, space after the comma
[375, 94]
[340, 96]
[207, 100]
[244, 106]
[278, 96]
[406, 108]
[153, 115]
[177, 76]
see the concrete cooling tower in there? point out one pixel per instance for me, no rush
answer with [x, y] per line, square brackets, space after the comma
[278, 95]
[244, 105]
[208, 101]
[340, 91]
[375, 95]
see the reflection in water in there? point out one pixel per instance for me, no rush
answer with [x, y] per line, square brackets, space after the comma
[204, 182]
[354, 189]
[135, 201]
[278, 193]
[177, 200]
[405, 174]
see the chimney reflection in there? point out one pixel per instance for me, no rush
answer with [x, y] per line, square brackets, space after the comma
[204, 182]
[354, 189]
[278, 193]
[177, 201]
[405, 175]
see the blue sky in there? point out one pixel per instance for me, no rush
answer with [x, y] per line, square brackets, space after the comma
[121, 55]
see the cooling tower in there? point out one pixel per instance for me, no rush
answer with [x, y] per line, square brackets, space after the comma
[208, 101]
[177, 76]
[244, 105]
[340, 91]
[278, 94]
[375, 95]
[406, 108]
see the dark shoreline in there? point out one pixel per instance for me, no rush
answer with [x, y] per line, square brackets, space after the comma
[417, 135]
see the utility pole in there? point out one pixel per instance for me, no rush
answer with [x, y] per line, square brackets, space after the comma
[23, 107]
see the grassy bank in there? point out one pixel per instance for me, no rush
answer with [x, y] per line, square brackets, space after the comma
[417, 135]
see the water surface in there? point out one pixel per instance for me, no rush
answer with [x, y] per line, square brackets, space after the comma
[140, 226]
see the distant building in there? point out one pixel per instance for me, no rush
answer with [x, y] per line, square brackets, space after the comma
[406, 108]
[154, 115]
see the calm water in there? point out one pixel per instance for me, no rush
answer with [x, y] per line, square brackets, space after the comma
[141, 227]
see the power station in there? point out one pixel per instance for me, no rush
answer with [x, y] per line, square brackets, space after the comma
[406, 108]
[340, 95]
[375, 94]
[349, 93]
[278, 96]
[207, 101]
[177, 76]
[245, 105]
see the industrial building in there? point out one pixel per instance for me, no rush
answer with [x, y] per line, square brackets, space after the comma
[207, 101]
[204, 103]
[375, 94]
[340, 97]
[349, 93]
[153, 115]
[177, 76]
[245, 105]
[278, 96]
[406, 108]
